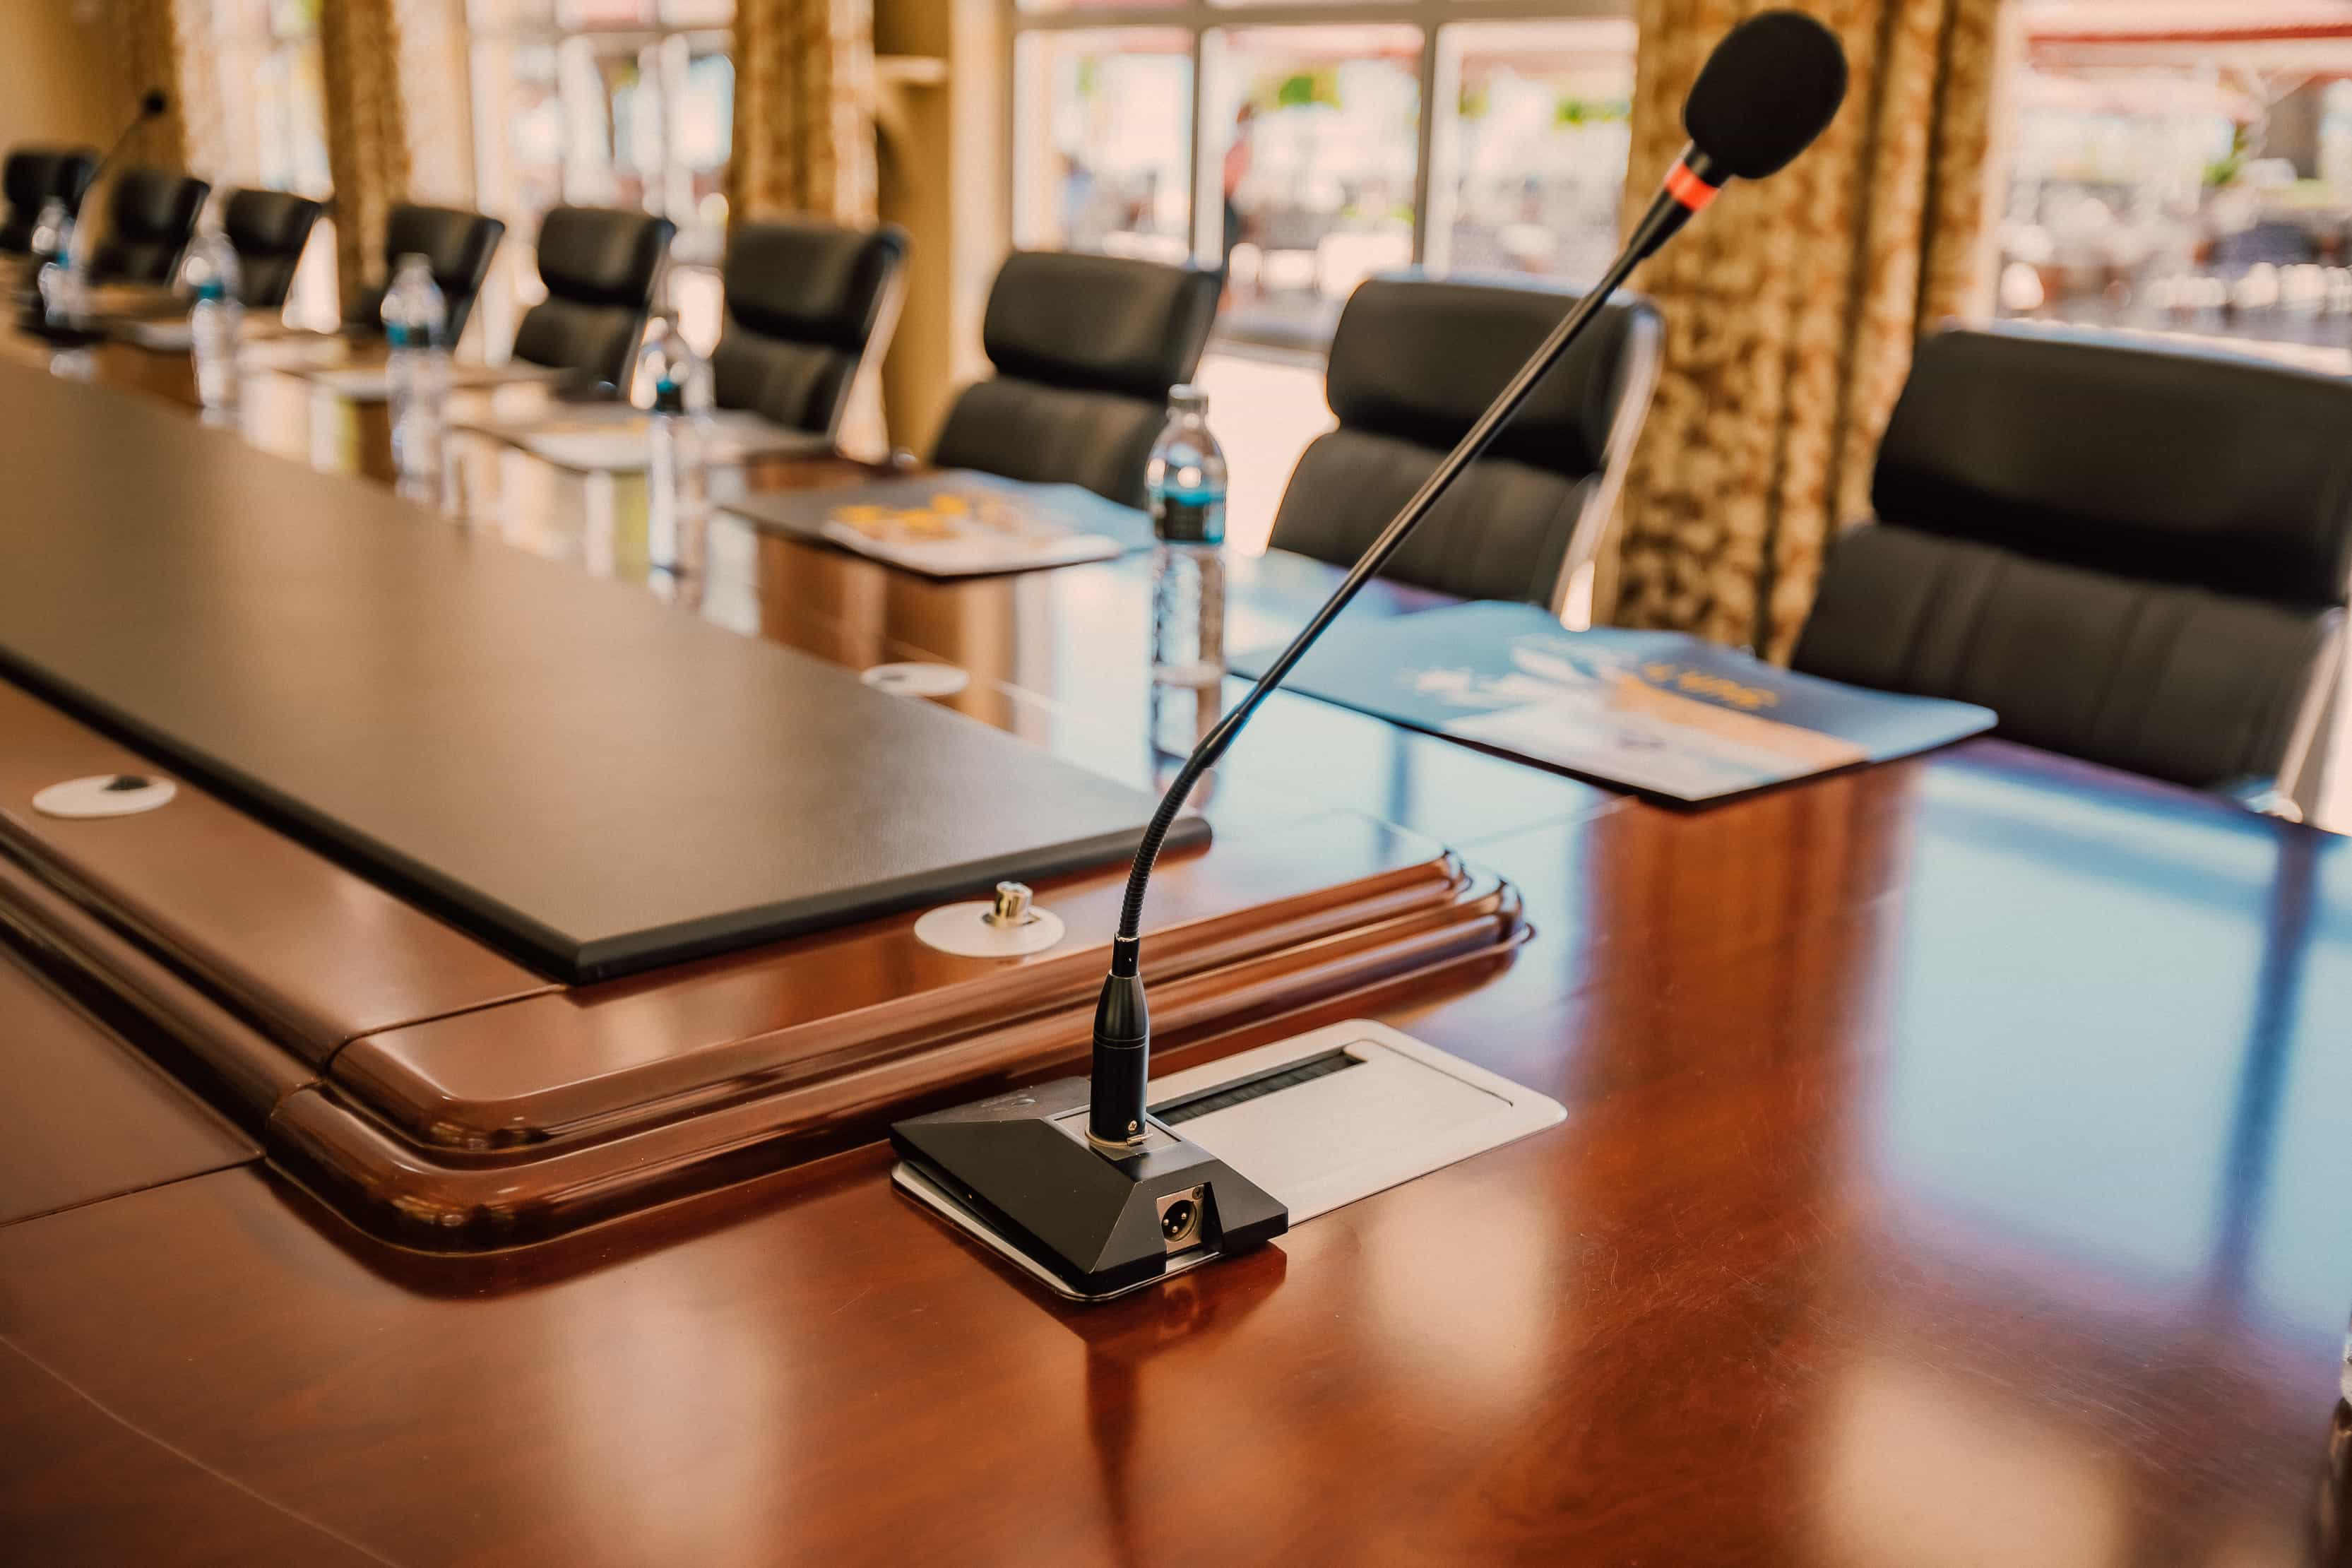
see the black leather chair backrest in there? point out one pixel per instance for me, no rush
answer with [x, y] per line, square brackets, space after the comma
[149, 216]
[457, 245]
[1086, 348]
[2133, 556]
[1414, 364]
[598, 265]
[804, 301]
[29, 178]
[267, 229]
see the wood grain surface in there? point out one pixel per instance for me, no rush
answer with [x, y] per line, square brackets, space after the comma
[1954, 1173]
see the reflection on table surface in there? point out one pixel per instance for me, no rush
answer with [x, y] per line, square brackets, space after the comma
[1060, 656]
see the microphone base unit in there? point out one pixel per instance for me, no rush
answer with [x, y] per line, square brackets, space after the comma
[1019, 1173]
[1318, 1120]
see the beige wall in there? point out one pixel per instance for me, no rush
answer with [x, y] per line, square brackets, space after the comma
[56, 81]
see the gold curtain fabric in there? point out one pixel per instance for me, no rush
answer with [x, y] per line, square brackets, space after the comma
[152, 49]
[1792, 306]
[367, 145]
[804, 103]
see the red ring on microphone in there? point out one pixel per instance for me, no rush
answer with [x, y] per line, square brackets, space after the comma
[1689, 189]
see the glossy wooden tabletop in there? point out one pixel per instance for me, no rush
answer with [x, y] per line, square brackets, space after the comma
[1954, 1173]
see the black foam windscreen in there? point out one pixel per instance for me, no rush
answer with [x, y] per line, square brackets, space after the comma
[1771, 86]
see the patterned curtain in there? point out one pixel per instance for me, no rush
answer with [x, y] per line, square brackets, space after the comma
[367, 145]
[153, 47]
[804, 101]
[1793, 308]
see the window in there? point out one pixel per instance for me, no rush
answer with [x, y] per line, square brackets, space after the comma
[1302, 152]
[271, 96]
[2185, 170]
[1314, 136]
[603, 103]
[1295, 140]
[1104, 141]
[1529, 170]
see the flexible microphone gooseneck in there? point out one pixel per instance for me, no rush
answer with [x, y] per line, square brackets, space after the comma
[1769, 88]
[152, 104]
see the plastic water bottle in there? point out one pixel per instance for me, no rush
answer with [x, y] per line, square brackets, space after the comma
[1186, 483]
[76, 257]
[52, 258]
[52, 235]
[52, 231]
[416, 325]
[678, 477]
[210, 274]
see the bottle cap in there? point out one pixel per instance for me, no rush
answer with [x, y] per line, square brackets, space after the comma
[1187, 399]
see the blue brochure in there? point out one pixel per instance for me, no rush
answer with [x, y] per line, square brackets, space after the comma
[1659, 712]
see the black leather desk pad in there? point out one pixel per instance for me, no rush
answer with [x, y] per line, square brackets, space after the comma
[590, 778]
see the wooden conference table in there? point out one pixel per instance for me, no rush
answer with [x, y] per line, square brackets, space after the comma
[1954, 1173]
[285, 407]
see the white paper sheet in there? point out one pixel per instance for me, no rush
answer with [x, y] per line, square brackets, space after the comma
[977, 554]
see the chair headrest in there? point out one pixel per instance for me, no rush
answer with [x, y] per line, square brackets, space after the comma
[811, 282]
[267, 223]
[602, 255]
[155, 203]
[1420, 360]
[2197, 468]
[33, 174]
[455, 244]
[1105, 322]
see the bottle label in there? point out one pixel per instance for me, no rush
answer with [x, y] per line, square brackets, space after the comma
[1183, 516]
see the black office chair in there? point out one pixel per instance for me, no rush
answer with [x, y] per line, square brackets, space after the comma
[267, 229]
[807, 304]
[1086, 348]
[150, 215]
[1413, 363]
[598, 265]
[457, 246]
[2135, 557]
[31, 176]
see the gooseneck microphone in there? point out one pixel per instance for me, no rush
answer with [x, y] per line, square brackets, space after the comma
[1771, 86]
[152, 104]
[1073, 1178]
